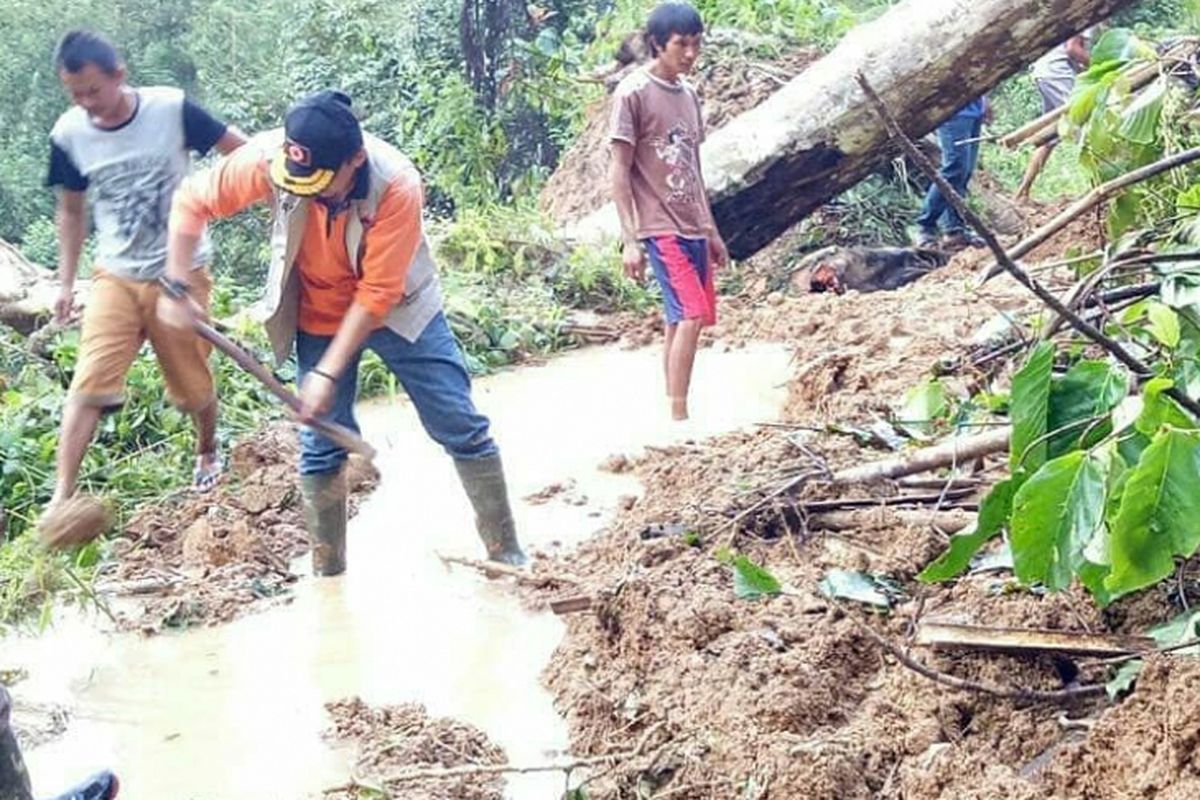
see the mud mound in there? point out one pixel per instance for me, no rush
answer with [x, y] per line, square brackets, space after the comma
[202, 559]
[397, 739]
[788, 697]
[1146, 747]
[857, 354]
[788, 694]
[729, 81]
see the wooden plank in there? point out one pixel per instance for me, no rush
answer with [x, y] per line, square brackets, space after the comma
[571, 605]
[1034, 640]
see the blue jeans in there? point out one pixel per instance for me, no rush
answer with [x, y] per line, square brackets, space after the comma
[958, 164]
[432, 372]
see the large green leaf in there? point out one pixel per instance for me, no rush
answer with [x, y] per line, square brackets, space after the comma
[1116, 44]
[1090, 389]
[1139, 122]
[1159, 410]
[1159, 517]
[1164, 324]
[1030, 410]
[994, 512]
[1055, 515]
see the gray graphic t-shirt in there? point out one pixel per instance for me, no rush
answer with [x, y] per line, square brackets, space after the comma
[130, 173]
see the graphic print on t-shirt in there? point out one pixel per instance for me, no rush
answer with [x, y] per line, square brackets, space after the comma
[136, 196]
[677, 149]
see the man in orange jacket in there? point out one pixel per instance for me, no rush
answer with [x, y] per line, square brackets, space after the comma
[350, 268]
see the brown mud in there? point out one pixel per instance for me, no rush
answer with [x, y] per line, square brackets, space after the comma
[398, 739]
[203, 559]
[788, 697]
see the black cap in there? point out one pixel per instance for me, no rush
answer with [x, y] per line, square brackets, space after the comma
[321, 134]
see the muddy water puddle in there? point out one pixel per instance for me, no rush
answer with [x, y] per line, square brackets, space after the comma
[237, 711]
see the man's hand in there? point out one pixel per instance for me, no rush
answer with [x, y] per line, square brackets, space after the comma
[64, 305]
[634, 261]
[178, 313]
[718, 254]
[317, 393]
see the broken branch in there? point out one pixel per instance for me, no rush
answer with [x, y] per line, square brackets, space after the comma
[493, 569]
[1005, 692]
[1089, 201]
[955, 451]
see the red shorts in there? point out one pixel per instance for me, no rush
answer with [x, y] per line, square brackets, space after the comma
[681, 267]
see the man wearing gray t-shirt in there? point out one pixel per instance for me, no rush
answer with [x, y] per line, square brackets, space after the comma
[1054, 75]
[126, 150]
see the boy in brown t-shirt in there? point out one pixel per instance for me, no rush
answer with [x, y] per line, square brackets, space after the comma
[656, 131]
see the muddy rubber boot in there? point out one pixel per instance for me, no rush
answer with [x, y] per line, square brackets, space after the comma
[14, 779]
[483, 480]
[325, 516]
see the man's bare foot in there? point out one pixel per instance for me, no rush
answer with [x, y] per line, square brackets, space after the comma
[679, 408]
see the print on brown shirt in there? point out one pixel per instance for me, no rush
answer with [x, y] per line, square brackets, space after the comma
[662, 121]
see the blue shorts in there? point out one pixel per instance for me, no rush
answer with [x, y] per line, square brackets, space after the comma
[682, 270]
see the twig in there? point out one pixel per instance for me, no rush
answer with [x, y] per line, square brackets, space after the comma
[437, 773]
[936, 500]
[494, 569]
[1006, 261]
[1096, 662]
[1006, 692]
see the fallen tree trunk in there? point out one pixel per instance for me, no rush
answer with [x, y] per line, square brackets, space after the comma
[817, 136]
[27, 293]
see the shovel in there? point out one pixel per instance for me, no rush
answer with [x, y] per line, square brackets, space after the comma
[341, 435]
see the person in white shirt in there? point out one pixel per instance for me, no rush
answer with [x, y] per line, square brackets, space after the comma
[1054, 75]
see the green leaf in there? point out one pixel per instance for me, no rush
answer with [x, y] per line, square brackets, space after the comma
[1159, 410]
[994, 512]
[1092, 576]
[750, 581]
[923, 406]
[1055, 515]
[1084, 101]
[1089, 390]
[1139, 122]
[1116, 44]
[1123, 680]
[853, 585]
[1030, 410]
[1182, 628]
[1189, 199]
[1159, 517]
[1164, 324]
[1123, 212]
[1180, 290]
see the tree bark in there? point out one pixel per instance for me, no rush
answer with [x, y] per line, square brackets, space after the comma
[817, 136]
[27, 293]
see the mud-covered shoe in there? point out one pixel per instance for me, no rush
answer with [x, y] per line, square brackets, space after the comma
[926, 238]
[961, 240]
[325, 517]
[483, 480]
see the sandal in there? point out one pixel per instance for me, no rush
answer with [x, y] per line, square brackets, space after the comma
[207, 473]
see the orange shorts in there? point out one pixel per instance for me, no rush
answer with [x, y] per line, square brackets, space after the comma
[119, 316]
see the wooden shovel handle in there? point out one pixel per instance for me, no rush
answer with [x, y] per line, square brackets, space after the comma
[340, 434]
